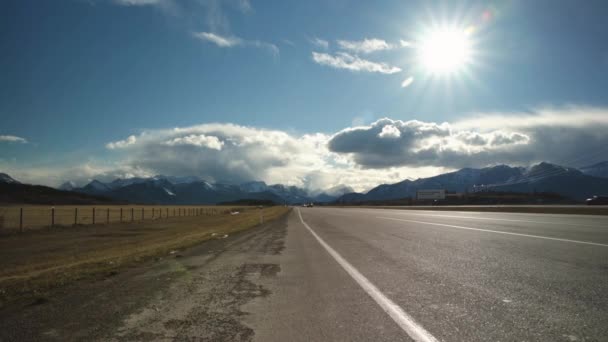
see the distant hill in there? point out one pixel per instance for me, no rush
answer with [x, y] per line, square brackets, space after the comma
[596, 170]
[543, 177]
[4, 178]
[571, 183]
[546, 177]
[13, 192]
[190, 190]
[250, 202]
[193, 190]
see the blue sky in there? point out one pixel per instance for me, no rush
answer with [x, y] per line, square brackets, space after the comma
[80, 74]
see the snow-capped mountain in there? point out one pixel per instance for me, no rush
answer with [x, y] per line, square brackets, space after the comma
[189, 190]
[68, 186]
[542, 177]
[457, 181]
[333, 193]
[254, 186]
[596, 170]
[4, 178]
[14, 192]
[95, 187]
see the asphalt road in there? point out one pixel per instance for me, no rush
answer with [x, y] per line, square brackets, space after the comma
[352, 275]
[462, 276]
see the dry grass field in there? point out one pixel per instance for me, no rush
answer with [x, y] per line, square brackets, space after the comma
[14, 218]
[38, 260]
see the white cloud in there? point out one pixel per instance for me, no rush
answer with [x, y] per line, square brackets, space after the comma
[221, 41]
[138, 2]
[407, 82]
[321, 43]
[364, 46]
[244, 6]
[249, 153]
[384, 151]
[346, 61]
[199, 140]
[571, 137]
[288, 42]
[12, 138]
[390, 131]
[122, 143]
[232, 41]
[404, 43]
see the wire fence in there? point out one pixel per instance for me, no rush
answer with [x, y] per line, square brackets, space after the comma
[40, 217]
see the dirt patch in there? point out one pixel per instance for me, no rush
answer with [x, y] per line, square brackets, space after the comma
[205, 305]
[197, 297]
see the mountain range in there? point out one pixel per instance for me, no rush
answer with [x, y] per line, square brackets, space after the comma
[569, 182]
[13, 191]
[188, 190]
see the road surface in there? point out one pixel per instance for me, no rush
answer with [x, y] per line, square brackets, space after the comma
[329, 274]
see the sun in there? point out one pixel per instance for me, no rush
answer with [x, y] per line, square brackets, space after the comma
[445, 51]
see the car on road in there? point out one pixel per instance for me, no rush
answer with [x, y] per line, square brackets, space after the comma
[597, 200]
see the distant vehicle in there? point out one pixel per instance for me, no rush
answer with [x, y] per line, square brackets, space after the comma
[597, 200]
[308, 205]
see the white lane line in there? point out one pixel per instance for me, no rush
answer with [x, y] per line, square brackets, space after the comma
[495, 219]
[499, 219]
[405, 321]
[496, 231]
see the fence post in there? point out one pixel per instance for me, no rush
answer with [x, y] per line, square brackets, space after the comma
[153, 213]
[52, 217]
[121, 215]
[132, 214]
[93, 215]
[261, 216]
[76, 216]
[142, 213]
[108, 216]
[21, 220]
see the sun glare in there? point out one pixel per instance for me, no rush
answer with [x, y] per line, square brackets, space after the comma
[445, 51]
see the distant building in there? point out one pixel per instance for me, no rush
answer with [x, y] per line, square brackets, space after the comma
[481, 188]
[431, 194]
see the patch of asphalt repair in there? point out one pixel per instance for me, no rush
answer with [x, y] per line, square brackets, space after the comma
[194, 295]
